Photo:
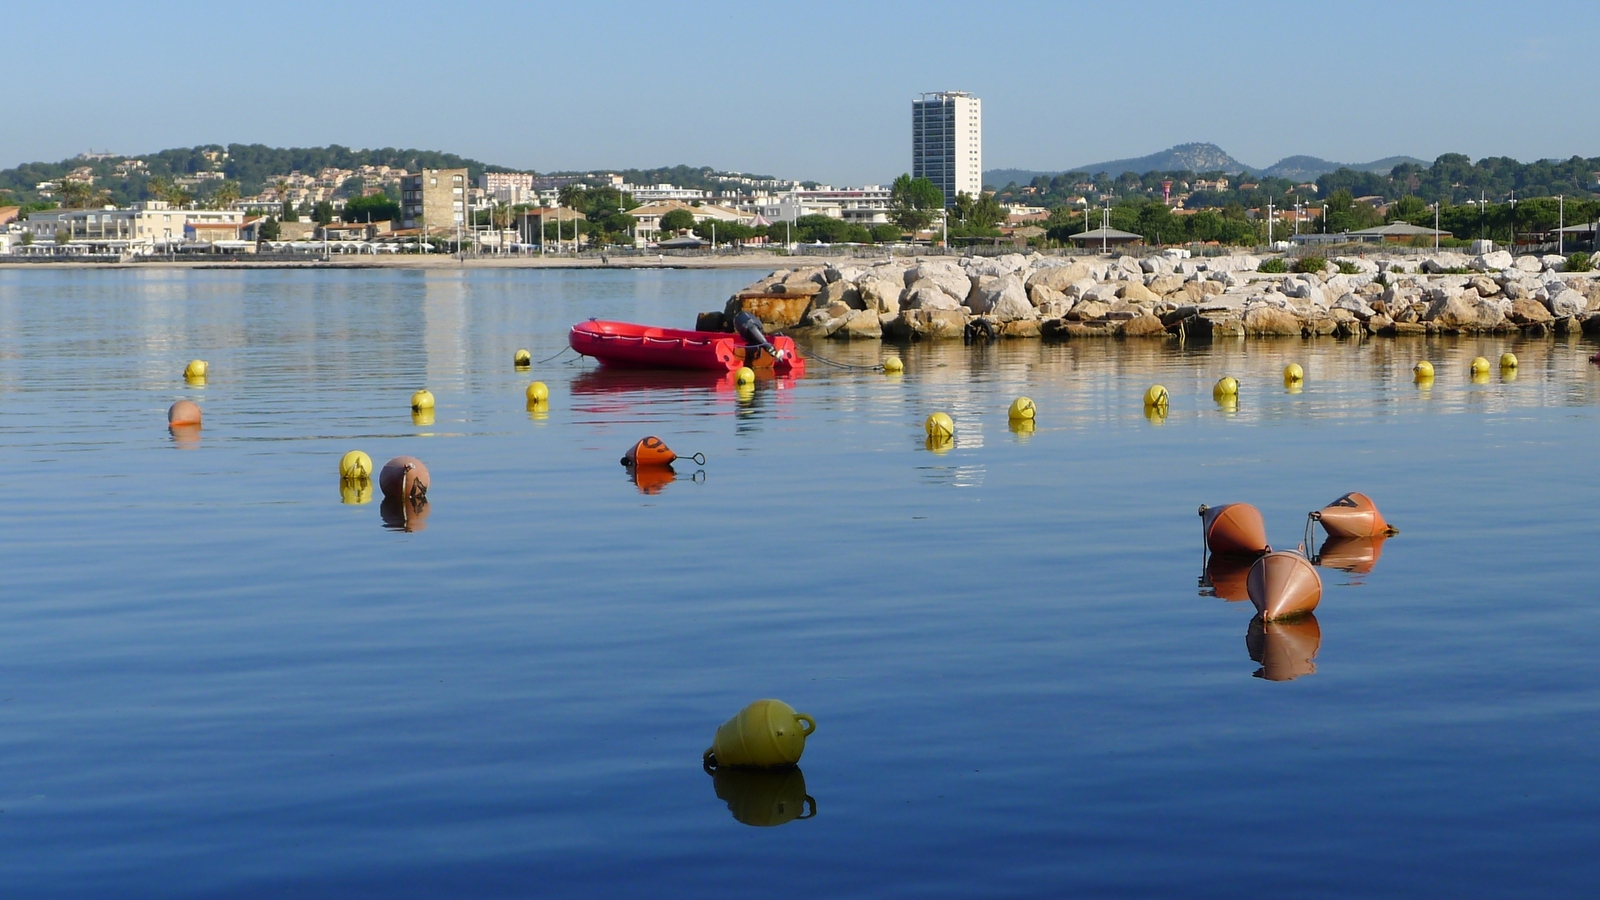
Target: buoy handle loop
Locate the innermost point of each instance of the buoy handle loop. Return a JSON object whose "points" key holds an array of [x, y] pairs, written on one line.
{"points": [[1204, 509], [802, 717], [699, 459], [813, 804]]}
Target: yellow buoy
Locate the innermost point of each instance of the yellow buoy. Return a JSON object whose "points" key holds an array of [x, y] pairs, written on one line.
{"points": [[421, 400], [1156, 414], [538, 393], [1226, 386], [893, 366], [1480, 366], [1293, 374], [355, 491], [1422, 371], [1021, 408], [744, 393], [744, 375], [355, 466], [1156, 397], [522, 359], [196, 370], [940, 426], [1508, 360], [766, 734]]}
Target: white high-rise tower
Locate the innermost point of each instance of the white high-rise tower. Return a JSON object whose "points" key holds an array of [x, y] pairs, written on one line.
{"points": [[947, 142]]}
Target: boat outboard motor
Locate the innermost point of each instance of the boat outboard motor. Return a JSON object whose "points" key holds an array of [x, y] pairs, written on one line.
{"points": [[748, 327]]}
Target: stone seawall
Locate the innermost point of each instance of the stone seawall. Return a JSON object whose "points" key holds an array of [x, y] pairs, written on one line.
{"points": [[1170, 296]]}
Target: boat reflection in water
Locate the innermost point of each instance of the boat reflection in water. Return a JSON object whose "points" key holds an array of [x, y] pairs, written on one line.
{"points": [[1286, 649], [1226, 575], [764, 797], [402, 514], [1356, 555]]}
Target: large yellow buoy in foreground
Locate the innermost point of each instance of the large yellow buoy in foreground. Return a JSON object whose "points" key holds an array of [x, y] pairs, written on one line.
{"points": [[744, 375], [522, 359], [1480, 366], [1508, 360], [538, 392], [1422, 371], [355, 466], [196, 370], [421, 400], [1226, 386], [1021, 408], [764, 735], [1156, 397], [1293, 374], [940, 427], [893, 366]]}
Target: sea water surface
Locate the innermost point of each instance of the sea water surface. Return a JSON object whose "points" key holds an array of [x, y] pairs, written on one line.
{"points": [[217, 679]]}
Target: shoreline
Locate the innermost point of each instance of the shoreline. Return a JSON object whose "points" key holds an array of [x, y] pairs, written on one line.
{"points": [[414, 261]]}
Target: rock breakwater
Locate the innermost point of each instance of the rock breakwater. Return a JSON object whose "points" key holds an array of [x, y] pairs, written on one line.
{"points": [[1170, 296]]}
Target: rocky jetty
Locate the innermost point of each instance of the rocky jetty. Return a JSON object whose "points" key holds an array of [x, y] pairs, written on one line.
{"points": [[1170, 296]]}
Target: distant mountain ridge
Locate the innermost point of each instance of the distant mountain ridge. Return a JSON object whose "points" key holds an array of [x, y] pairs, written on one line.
{"points": [[1204, 157]]}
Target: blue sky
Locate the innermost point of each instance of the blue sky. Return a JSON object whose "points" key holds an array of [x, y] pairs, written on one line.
{"points": [[810, 90]]}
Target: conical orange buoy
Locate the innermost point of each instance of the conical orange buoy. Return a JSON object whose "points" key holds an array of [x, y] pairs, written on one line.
{"points": [[184, 412], [1354, 555], [1353, 515], [404, 477], [1226, 574], [1284, 584], [652, 451], [1285, 650], [1234, 528]]}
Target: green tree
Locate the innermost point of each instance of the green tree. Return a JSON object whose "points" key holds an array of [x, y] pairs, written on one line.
{"points": [[677, 220], [63, 236], [322, 213], [884, 234], [725, 232], [372, 208], [289, 213], [224, 194], [75, 194], [270, 229], [913, 202]]}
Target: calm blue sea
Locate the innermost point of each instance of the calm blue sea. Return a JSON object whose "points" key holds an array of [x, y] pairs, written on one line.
{"points": [[219, 680]]}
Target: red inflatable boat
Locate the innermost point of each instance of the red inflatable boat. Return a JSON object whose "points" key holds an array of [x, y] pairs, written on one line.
{"points": [[644, 347]]}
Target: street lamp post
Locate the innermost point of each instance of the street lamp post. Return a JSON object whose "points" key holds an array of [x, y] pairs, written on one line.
{"points": [[1324, 218], [1561, 222]]}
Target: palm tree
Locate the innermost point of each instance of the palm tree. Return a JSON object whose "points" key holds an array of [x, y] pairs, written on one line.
{"points": [[75, 194], [225, 194]]}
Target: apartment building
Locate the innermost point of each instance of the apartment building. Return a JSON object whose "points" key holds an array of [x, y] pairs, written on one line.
{"points": [[434, 200], [947, 142], [144, 224]]}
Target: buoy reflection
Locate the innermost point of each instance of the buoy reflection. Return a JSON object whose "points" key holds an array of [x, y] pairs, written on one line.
{"points": [[355, 491], [403, 514], [651, 479], [1286, 650], [1356, 555], [938, 445], [1227, 575], [764, 798], [1157, 415], [1023, 429], [185, 437], [422, 416]]}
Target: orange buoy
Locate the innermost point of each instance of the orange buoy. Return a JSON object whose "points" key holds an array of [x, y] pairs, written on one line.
{"points": [[652, 451], [184, 412], [1354, 555], [1285, 650], [1234, 528], [404, 477], [1284, 584], [1353, 515], [1226, 575]]}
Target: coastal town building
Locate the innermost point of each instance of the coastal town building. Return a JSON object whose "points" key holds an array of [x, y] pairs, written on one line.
{"points": [[434, 200], [947, 142], [860, 206], [648, 217], [145, 224]]}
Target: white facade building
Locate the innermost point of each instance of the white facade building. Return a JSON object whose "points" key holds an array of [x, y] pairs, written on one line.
{"points": [[145, 225], [947, 142], [860, 206]]}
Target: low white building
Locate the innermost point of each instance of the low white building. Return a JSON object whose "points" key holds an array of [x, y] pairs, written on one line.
{"points": [[649, 216], [860, 206], [144, 225]]}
